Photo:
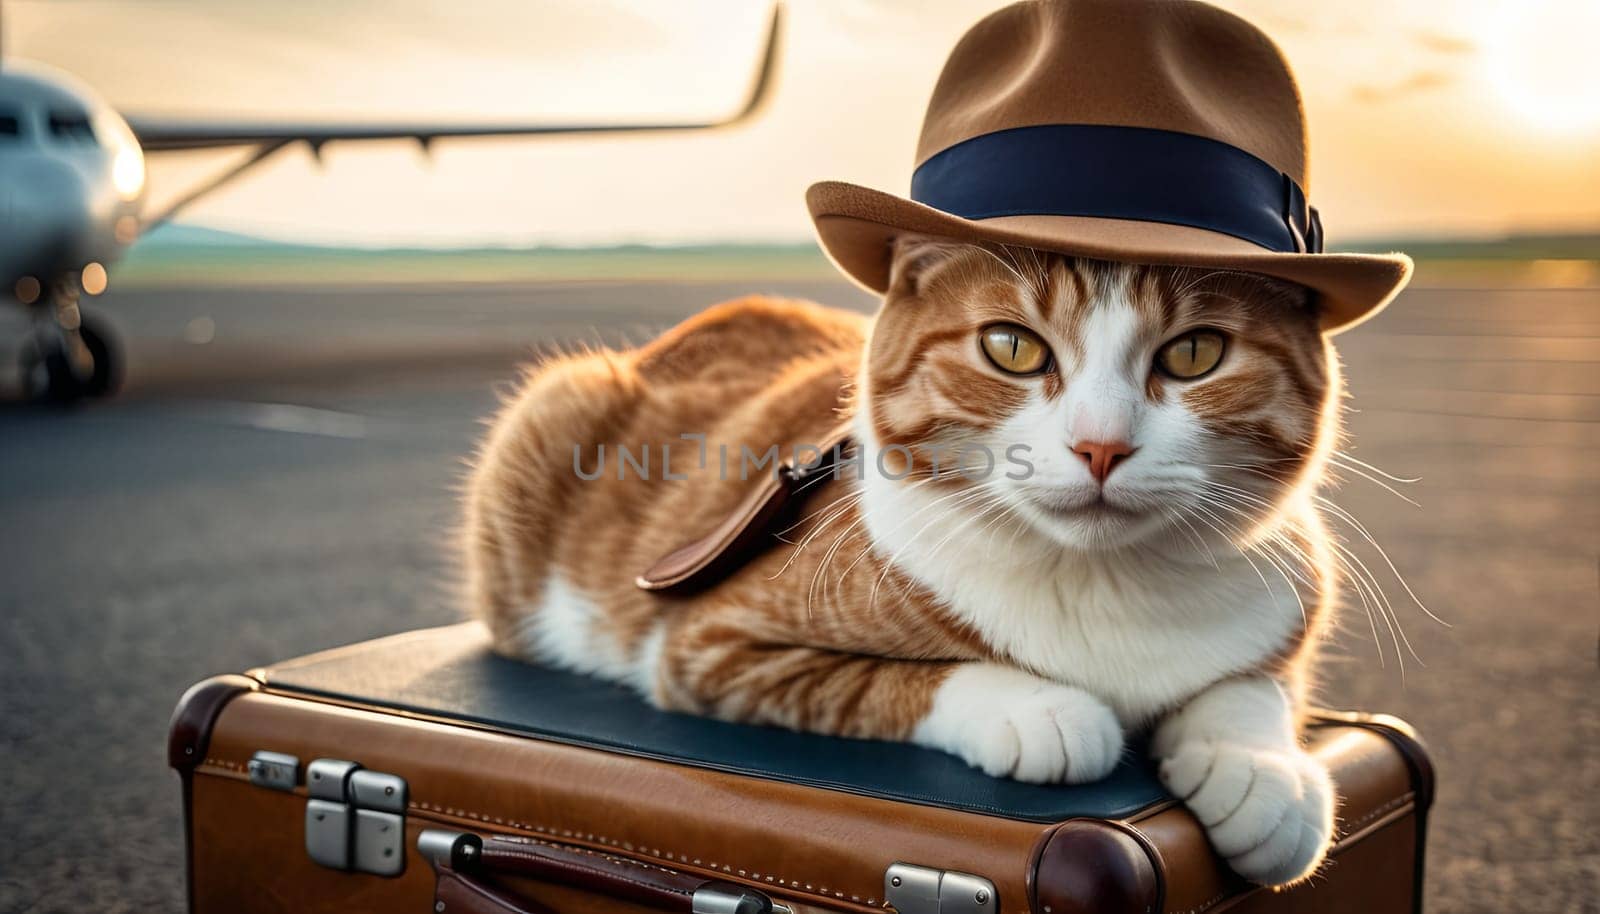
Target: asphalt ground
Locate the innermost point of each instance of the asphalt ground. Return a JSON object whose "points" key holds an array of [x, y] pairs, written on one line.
{"points": [[278, 478]]}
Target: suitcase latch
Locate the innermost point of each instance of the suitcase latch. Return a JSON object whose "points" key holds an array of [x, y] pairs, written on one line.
{"points": [[915, 889], [274, 770], [355, 818]]}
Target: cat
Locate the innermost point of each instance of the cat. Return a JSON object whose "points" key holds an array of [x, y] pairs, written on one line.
{"points": [[1144, 555]]}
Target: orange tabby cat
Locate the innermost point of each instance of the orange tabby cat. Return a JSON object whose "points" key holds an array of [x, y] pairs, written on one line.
{"points": [[1134, 544]]}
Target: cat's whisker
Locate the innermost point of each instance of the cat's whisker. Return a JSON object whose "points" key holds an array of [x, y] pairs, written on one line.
{"points": [[827, 557], [1344, 515], [1242, 553], [832, 509], [1192, 284], [1298, 559], [1238, 497], [1222, 486], [813, 481], [1021, 280], [989, 541], [833, 549], [1253, 465], [967, 495], [972, 493], [1193, 534], [1354, 562], [1202, 507], [1234, 509], [960, 525], [1277, 563], [812, 535], [1366, 583], [936, 502], [1337, 463], [993, 503], [1372, 600], [853, 500], [1237, 501], [1255, 470], [816, 531], [1020, 521], [1040, 267], [1347, 456], [1366, 607]]}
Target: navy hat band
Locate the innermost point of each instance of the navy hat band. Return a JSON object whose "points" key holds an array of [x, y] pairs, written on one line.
{"points": [[1112, 172]]}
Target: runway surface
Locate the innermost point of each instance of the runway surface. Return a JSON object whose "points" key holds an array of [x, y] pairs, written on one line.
{"points": [[278, 479]]}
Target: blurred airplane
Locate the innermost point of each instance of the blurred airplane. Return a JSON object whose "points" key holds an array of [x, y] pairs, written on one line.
{"points": [[72, 190]]}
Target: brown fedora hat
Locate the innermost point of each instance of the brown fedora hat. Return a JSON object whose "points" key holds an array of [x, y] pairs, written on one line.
{"points": [[1149, 131]]}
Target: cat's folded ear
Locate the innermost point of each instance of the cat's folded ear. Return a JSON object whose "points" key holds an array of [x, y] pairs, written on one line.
{"points": [[915, 259]]}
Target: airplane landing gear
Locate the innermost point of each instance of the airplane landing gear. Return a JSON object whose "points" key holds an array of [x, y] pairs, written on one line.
{"points": [[67, 357]]}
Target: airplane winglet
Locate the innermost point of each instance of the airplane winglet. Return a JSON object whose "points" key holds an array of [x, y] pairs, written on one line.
{"points": [[761, 90]]}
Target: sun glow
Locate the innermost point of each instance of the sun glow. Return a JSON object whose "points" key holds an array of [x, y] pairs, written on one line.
{"points": [[1540, 58]]}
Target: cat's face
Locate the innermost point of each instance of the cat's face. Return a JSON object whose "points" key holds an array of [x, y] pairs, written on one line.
{"points": [[1119, 403]]}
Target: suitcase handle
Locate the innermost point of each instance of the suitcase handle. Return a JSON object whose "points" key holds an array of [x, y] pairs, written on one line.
{"points": [[468, 869]]}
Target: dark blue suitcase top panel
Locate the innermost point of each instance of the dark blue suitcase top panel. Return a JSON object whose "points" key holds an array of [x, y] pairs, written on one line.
{"points": [[449, 674]]}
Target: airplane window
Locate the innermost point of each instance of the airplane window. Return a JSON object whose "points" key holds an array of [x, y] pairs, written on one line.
{"points": [[72, 126], [10, 125]]}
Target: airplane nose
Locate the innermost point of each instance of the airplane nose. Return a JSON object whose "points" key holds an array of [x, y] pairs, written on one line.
{"points": [[48, 219], [1102, 456]]}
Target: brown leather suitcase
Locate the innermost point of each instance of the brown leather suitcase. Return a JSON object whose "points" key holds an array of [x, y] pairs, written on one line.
{"points": [[421, 773]]}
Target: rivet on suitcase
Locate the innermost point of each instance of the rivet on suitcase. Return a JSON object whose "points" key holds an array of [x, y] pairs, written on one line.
{"points": [[422, 773]]}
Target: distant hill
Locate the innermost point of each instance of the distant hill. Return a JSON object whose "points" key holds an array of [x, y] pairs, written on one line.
{"points": [[184, 253], [1574, 246], [186, 235], [1580, 245], [179, 236]]}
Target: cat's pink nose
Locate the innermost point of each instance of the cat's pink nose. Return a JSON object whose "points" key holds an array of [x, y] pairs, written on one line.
{"points": [[1102, 456]]}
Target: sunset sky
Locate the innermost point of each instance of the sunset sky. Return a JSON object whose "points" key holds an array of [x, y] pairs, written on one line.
{"points": [[1442, 117]]}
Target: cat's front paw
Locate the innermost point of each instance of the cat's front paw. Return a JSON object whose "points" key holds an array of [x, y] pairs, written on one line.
{"points": [[1014, 724], [1268, 812]]}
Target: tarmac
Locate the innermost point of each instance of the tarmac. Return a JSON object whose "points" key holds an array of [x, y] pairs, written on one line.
{"points": [[279, 477]]}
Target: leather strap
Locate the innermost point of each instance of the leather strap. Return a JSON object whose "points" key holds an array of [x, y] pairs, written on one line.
{"points": [[458, 894], [743, 532], [481, 888], [592, 871]]}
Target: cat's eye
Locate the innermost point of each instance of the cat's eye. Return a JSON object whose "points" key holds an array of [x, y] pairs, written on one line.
{"points": [[1193, 355], [1014, 349]]}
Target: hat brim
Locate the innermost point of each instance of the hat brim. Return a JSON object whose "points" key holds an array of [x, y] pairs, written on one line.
{"points": [[857, 225]]}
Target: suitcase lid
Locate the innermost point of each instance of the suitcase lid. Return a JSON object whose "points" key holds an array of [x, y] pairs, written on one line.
{"points": [[449, 674]]}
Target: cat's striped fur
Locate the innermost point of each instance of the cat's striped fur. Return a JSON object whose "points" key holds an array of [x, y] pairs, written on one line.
{"points": [[1022, 624]]}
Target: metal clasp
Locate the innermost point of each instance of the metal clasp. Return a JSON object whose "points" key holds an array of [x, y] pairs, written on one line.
{"points": [[355, 819], [727, 898], [277, 770], [913, 889], [455, 849]]}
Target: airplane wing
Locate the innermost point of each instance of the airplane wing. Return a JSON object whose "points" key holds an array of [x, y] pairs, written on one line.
{"points": [[161, 134]]}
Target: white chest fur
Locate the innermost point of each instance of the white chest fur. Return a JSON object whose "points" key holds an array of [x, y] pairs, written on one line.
{"points": [[1139, 628]]}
